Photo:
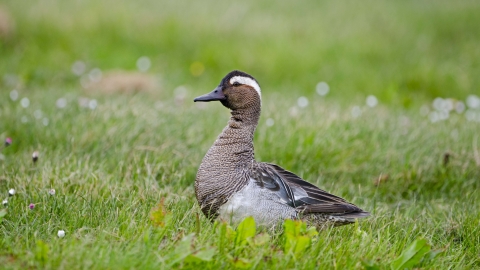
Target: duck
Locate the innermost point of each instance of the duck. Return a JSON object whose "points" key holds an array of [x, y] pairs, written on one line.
{"points": [[231, 185]]}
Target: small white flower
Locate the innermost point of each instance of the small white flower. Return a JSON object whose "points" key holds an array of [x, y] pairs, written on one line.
{"points": [[356, 111], [11, 192], [270, 122], [61, 233], [322, 88], [434, 116], [5, 202], [25, 102], [473, 101], [51, 192], [143, 63], [443, 115], [438, 104], [460, 107], [448, 105], [372, 101], [302, 102], [37, 114], [92, 104], [61, 103], [95, 75], [14, 95], [78, 68], [35, 156]]}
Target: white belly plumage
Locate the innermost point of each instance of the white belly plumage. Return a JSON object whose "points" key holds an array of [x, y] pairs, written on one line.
{"points": [[265, 206]]}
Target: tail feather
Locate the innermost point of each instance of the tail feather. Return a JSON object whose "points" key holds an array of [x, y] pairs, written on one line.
{"points": [[354, 215]]}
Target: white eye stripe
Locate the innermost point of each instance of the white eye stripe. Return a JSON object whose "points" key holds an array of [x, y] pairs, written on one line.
{"points": [[247, 81]]}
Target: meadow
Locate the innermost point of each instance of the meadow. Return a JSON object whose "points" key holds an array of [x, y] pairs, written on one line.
{"points": [[397, 132]]}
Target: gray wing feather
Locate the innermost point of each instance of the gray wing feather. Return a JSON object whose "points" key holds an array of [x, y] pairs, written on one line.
{"points": [[300, 194], [267, 178]]}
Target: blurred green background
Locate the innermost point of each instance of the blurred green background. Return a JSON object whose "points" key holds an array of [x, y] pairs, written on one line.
{"points": [[399, 51], [103, 90]]}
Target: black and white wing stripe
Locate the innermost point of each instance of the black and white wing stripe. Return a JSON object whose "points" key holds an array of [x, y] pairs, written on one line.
{"points": [[300, 194]]}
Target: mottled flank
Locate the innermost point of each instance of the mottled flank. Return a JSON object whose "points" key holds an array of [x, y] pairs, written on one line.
{"points": [[231, 185]]}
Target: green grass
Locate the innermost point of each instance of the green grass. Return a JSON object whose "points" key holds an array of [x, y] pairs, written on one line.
{"points": [[112, 165]]}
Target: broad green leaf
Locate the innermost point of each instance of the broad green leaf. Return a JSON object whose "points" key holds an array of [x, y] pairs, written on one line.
{"points": [[3, 213], [201, 255], [412, 255], [259, 240], [312, 231], [159, 214], [225, 234], [41, 251], [297, 238], [182, 250], [230, 233], [246, 229], [184, 245], [302, 243], [289, 227], [289, 243], [221, 230], [369, 265], [239, 262], [435, 253]]}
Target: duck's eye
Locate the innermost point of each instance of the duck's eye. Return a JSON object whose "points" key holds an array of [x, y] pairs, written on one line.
{"points": [[236, 84]]}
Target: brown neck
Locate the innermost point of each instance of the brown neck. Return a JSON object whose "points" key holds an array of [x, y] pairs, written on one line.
{"points": [[236, 140], [224, 168]]}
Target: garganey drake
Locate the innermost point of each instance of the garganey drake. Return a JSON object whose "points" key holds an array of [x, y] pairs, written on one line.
{"points": [[231, 185]]}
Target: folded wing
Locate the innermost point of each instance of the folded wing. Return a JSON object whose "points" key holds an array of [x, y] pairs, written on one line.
{"points": [[302, 195]]}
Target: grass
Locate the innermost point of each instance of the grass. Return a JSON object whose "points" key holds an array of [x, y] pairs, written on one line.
{"points": [[112, 165]]}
